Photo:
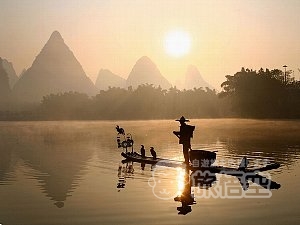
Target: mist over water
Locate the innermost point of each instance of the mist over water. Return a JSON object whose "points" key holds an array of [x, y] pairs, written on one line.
{"points": [[66, 172]]}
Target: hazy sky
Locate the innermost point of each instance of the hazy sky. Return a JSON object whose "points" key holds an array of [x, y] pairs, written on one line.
{"points": [[113, 34]]}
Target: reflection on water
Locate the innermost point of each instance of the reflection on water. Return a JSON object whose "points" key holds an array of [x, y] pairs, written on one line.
{"points": [[63, 172], [56, 168], [7, 164], [181, 180], [275, 141], [273, 150], [8, 160], [53, 159], [124, 172], [184, 192], [190, 186]]}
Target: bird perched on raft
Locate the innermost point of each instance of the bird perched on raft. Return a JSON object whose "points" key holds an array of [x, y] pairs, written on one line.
{"points": [[120, 130], [153, 152]]}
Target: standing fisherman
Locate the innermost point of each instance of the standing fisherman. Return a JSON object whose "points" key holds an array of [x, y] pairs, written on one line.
{"points": [[185, 134]]}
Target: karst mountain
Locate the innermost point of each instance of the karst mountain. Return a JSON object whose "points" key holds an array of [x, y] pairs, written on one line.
{"points": [[193, 79], [5, 91], [54, 70], [108, 79], [146, 72], [11, 73]]}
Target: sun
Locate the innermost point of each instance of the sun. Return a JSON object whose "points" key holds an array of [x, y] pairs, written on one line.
{"points": [[177, 43]]}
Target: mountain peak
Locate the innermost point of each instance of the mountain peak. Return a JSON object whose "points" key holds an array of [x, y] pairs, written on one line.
{"points": [[12, 76], [108, 79], [194, 79], [145, 71], [56, 36], [4, 83], [144, 59], [55, 44], [54, 70], [193, 69]]}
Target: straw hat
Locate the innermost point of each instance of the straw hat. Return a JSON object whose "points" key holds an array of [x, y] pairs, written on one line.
{"points": [[182, 119]]}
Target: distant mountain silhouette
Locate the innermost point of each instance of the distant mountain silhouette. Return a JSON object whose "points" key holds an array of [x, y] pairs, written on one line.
{"points": [[193, 79], [54, 70], [179, 84], [12, 76], [5, 91], [145, 71], [108, 79]]}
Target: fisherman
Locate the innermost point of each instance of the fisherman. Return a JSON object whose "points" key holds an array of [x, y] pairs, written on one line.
{"points": [[185, 134], [153, 153], [143, 152]]}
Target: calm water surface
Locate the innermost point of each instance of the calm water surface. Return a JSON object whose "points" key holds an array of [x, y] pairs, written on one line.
{"points": [[67, 173]]}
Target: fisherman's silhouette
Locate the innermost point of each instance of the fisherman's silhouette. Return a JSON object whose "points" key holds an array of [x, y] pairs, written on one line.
{"points": [[143, 151], [195, 176], [185, 134], [153, 153]]}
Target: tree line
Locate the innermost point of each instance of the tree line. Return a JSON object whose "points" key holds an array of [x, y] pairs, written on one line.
{"points": [[145, 102], [246, 94], [262, 94]]}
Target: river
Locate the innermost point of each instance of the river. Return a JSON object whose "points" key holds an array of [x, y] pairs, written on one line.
{"points": [[67, 172]]}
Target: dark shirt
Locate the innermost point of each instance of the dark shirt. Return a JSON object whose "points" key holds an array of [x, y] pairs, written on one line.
{"points": [[185, 134]]}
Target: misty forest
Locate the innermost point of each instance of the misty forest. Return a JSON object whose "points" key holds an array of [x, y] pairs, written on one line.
{"points": [[247, 94]]}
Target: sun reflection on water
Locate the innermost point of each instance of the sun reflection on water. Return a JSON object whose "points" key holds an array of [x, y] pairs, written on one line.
{"points": [[180, 180]]}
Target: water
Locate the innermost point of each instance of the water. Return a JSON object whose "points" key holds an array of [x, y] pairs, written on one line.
{"points": [[67, 173]]}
